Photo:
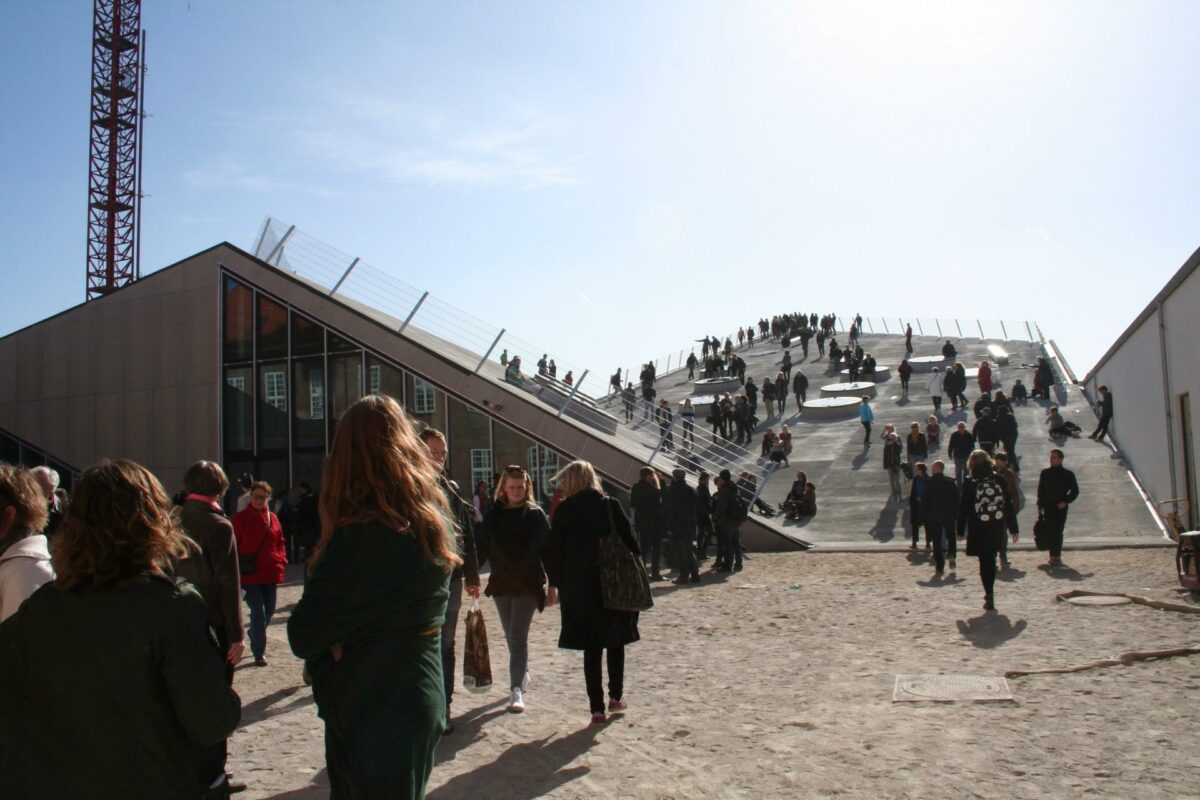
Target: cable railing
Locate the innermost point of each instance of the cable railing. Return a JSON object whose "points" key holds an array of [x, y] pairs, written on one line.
{"points": [[485, 346]]}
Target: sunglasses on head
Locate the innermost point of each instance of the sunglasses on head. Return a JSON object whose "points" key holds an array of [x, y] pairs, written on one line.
{"points": [[513, 469]]}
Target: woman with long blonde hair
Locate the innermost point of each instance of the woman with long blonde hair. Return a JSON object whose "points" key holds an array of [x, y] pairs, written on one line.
{"points": [[514, 537], [585, 516], [369, 622]]}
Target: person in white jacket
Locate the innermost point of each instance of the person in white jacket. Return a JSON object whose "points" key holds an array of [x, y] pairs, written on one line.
{"points": [[24, 554], [935, 390]]}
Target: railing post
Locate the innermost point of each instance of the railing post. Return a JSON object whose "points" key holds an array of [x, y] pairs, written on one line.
{"points": [[1004, 330], [980, 324], [869, 325], [885, 327], [412, 313], [938, 322], [669, 362], [571, 396], [495, 342], [342, 279], [278, 248], [959, 327], [662, 438], [901, 323], [1029, 331], [920, 328], [766, 476]]}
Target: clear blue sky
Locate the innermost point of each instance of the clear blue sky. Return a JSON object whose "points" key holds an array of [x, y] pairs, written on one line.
{"points": [[613, 179]]}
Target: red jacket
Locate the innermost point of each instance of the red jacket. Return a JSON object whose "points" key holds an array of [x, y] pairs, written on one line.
{"points": [[985, 378], [256, 529]]}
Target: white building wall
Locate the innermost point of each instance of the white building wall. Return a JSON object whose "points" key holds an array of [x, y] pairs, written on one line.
{"points": [[1142, 426]]}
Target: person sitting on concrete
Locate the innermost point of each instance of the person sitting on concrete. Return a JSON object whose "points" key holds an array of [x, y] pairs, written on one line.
{"points": [[791, 504], [1059, 427], [1019, 393], [948, 351]]}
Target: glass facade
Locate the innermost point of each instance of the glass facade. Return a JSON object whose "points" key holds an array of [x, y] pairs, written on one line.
{"points": [[15, 451], [288, 378]]}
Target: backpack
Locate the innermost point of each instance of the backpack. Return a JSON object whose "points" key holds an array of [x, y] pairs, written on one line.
{"points": [[989, 499]]}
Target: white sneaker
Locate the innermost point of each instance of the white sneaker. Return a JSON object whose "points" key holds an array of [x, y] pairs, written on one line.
{"points": [[517, 703], [528, 679]]}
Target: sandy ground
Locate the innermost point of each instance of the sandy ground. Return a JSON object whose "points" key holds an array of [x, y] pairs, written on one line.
{"points": [[776, 682]]}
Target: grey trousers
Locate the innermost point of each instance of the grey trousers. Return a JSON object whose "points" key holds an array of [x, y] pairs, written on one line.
{"points": [[516, 614]]}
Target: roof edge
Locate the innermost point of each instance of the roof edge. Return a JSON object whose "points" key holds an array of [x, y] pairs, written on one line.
{"points": [[1181, 275]]}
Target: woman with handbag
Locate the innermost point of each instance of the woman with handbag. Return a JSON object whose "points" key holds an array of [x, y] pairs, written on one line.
{"points": [[587, 524], [515, 538], [262, 555]]}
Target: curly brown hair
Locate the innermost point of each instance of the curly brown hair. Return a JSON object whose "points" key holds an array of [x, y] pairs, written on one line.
{"points": [[20, 490], [118, 526], [378, 470]]}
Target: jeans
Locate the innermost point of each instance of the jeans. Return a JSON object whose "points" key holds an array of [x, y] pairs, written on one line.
{"points": [[595, 680], [987, 569], [1055, 521], [937, 403], [897, 485], [261, 599], [704, 535], [866, 436], [516, 614], [1102, 429], [960, 468], [449, 629]]}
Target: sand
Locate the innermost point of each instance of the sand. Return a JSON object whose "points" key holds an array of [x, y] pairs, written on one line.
{"points": [[776, 682]]}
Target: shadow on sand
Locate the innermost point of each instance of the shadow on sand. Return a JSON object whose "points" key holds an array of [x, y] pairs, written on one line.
{"points": [[990, 629], [540, 763]]}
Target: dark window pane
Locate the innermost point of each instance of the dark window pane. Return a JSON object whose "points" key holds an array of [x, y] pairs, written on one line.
{"points": [[31, 457], [239, 321], [306, 468], [345, 380], [308, 393], [308, 338], [272, 329], [273, 407], [239, 410], [383, 378], [469, 445], [10, 451], [275, 472], [339, 345]]}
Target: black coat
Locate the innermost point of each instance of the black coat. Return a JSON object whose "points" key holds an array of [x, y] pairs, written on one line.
{"points": [[647, 509], [679, 508], [1056, 485], [983, 534], [961, 444], [517, 542], [941, 499], [986, 430], [579, 523], [464, 528], [113, 701]]}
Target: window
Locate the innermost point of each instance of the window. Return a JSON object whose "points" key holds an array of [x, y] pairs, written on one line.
{"points": [[239, 321], [308, 338], [237, 381], [316, 394], [275, 389], [238, 398], [425, 401], [481, 466], [543, 473], [374, 379], [272, 329]]}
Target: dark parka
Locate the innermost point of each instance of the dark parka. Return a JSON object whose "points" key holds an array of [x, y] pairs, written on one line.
{"points": [[941, 499], [111, 704], [464, 528], [216, 573], [646, 500], [580, 522], [679, 509]]}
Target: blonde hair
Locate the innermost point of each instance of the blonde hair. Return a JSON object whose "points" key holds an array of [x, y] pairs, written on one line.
{"points": [[578, 476], [514, 472]]}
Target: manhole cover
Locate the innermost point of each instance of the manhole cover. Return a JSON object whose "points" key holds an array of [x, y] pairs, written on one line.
{"points": [[1098, 600], [949, 688]]}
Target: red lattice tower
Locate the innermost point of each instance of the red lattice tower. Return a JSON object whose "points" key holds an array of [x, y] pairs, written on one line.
{"points": [[114, 179]]}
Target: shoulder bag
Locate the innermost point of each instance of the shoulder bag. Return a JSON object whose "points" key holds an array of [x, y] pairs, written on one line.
{"points": [[248, 564], [624, 584]]}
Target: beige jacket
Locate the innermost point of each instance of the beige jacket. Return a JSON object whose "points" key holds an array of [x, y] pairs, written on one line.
{"points": [[23, 568]]}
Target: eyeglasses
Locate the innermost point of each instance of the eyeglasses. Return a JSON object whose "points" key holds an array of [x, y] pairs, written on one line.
{"points": [[514, 469]]}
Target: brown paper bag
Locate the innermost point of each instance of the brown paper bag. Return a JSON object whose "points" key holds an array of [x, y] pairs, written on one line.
{"points": [[477, 663]]}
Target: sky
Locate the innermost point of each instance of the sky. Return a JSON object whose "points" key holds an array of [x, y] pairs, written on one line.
{"points": [[611, 180]]}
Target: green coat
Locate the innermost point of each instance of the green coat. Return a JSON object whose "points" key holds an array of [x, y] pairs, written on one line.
{"points": [[105, 692], [383, 703]]}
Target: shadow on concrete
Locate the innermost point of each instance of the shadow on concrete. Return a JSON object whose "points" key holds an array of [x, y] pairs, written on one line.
{"points": [[262, 708], [1064, 573], [541, 765], [990, 629], [317, 790], [857, 462], [884, 529]]}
